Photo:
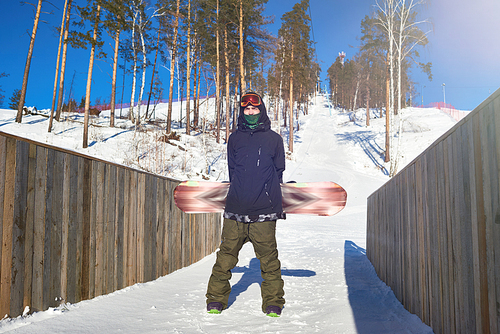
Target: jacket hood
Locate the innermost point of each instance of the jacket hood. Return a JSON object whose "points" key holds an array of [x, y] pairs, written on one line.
{"points": [[264, 123]]}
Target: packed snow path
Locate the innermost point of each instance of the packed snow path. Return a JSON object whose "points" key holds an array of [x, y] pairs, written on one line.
{"points": [[330, 286]]}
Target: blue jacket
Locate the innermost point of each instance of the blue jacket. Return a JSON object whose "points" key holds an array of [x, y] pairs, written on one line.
{"points": [[256, 161]]}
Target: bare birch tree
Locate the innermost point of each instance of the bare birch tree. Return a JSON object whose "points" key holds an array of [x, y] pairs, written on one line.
{"points": [[172, 67], [386, 18], [409, 36], [135, 14]]}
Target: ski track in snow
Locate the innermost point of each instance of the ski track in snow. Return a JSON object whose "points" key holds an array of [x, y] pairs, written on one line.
{"points": [[330, 286]]}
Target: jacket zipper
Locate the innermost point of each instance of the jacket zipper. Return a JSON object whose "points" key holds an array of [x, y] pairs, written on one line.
{"points": [[268, 197], [258, 159]]}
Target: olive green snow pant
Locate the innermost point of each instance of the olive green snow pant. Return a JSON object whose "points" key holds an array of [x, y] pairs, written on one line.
{"points": [[262, 235]]}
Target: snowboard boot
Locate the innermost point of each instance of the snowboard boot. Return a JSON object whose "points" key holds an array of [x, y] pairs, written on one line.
{"points": [[273, 311], [214, 308]]}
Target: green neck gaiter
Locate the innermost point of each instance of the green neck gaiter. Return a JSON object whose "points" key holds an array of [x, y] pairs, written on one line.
{"points": [[252, 120]]}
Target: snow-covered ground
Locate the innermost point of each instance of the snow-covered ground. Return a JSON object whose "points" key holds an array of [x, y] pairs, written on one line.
{"points": [[330, 286]]}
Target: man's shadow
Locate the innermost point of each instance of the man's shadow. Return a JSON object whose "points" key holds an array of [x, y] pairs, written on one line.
{"points": [[251, 274]]}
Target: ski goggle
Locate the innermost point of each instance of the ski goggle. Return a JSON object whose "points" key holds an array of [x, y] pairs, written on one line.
{"points": [[252, 99]]}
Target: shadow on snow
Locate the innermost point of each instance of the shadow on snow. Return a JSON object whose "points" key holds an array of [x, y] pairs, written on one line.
{"points": [[251, 275], [366, 140], [374, 306]]}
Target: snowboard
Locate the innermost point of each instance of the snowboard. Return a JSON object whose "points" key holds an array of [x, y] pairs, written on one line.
{"points": [[313, 198]]}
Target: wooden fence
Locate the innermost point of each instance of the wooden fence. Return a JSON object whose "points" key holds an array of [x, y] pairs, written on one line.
{"points": [[433, 231], [75, 227]]}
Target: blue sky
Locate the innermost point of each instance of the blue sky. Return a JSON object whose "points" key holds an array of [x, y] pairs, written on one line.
{"points": [[464, 48]]}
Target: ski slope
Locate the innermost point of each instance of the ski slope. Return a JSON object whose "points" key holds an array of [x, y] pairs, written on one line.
{"points": [[330, 286]]}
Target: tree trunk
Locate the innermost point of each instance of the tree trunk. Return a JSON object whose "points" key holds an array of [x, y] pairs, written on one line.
{"points": [[134, 72], [242, 67], [198, 88], [290, 137], [143, 79], [153, 75], [356, 93], [195, 93], [236, 106], [89, 82], [196, 79], [368, 99], [188, 74], [285, 113], [387, 114], [217, 80], [28, 63], [63, 65], [172, 68], [54, 92], [113, 81], [279, 104], [228, 92]]}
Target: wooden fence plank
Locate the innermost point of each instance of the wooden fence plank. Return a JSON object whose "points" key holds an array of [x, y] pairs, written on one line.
{"points": [[3, 157], [141, 188], [435, 287], [39, 229], [99, 230], [66, 188], [149, 228], [19, 227], [7, 225], [450, 229], [479, 230], [160, 233], [119, 228], [93, 227], [110, 202], [132, 244], [75, 231], [126, 228], [495, 205], [443, 269], [166, 234], [30, 214], [86, 229], [106, 267], [55, 226], [80, 172], [466, 232]]}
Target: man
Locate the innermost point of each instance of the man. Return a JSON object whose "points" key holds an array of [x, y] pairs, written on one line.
{"points": [[256, 161]]}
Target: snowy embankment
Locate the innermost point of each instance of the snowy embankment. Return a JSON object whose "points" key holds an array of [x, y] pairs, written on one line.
{"points": [[330, 286]]}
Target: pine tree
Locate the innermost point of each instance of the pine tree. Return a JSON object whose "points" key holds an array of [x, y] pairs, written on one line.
{"points": [[297, 51], [65, 18], [63, 62], [28, 63], [14, 99], [2, 97], [173, 55], [82, 39], [115, 23]]}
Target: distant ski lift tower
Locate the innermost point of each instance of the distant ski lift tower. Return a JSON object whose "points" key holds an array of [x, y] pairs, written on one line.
{"points": [[342, 56]]}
